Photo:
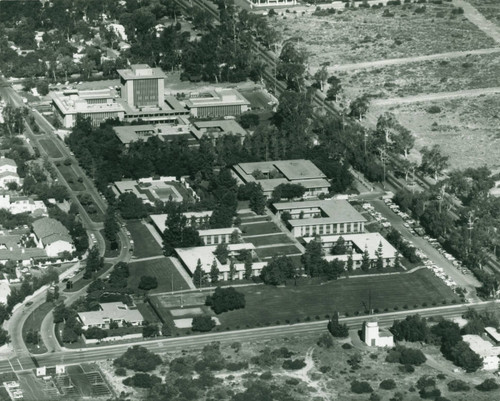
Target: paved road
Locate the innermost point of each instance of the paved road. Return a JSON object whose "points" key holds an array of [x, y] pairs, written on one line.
{"points": [[404, 60], [467, 281], [175, 344], [427, 97]]}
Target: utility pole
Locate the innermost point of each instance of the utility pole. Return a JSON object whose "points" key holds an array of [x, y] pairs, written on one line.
{"points": [[470, 226], [383, 158]]}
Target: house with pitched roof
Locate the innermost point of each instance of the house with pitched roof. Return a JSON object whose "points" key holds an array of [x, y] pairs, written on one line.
{"points": [[52, 236], [8, 172]]}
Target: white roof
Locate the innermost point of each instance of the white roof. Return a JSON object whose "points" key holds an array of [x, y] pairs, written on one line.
{"points": [[493, 333], [110, 311], [481, 347], [370, 241], [160, 219], [219, 231]]}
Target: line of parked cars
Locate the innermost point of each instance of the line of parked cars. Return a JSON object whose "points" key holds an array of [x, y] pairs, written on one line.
{"points": [[376, 215]]}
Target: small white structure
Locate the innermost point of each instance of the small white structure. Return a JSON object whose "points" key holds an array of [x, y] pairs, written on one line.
{"points": [[111, 311], [41, 371], [485, 350], [374, 337], [8, 172]]}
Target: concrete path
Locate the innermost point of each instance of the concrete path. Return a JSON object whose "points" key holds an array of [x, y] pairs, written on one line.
{"points": [[148, 258], [154, 233], [428, 97], [276, 220], [474, 16], [183, 273], [404, 60], [274, 245]]}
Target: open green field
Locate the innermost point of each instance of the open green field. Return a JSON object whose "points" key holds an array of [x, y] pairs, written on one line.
{"points": [[51, 148], [144, 243], [164, 271], [269, 239], [467, 72], [34, 322], [277, 251], [253, 218], [71, 178], [358, 35], [267, 304], [466, 129], [259, 228]]}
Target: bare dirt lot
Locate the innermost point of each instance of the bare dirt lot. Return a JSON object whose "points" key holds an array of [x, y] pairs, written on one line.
{"points": [[468, 72], [365, 34], [467, 130]]}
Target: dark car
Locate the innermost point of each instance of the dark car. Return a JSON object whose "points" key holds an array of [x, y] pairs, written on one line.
{"points": [[29, 303]]}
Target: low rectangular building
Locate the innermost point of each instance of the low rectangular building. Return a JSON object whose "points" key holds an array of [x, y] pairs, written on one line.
{"points": [[189, 258], [485, 350], [193, 218], [217, 128], [270, 174], [357, 244], [321, 217], [111, 312], [217, 236], [217, 103], [98, 105]]}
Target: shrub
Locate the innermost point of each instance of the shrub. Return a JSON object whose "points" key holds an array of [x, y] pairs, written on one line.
{"points": [[325, 369], [203, 323], [121, 372], [387, 384], [139, 359], [407, 369], [294, 364], [374, 397], [292, 381], [358, 387], [142, 380], [433, 109], [266, 375], [225, 299], [325, 341], [458, 385], [487, 385], [346, 346]]}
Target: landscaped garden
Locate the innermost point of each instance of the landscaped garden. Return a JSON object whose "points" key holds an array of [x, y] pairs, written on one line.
{"points": [[358, 35], [259, 228]]}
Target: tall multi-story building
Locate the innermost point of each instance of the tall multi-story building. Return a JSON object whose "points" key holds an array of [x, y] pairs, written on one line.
{"points": [[142, 86]]}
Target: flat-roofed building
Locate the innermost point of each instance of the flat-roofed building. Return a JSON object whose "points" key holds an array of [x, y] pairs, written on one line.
{"points": [[218, 128], [98, 105], [217, 103], [142, 85], [271, 3], [485, 350], [493, 334], [179, 129], [215, 236], [206, 255], [111, 312], [358, 244], [192, 218], [270, 174], [321, 217]]}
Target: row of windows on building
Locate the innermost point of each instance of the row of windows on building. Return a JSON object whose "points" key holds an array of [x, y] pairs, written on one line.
{"points": [[219, 111], [321, 229]]}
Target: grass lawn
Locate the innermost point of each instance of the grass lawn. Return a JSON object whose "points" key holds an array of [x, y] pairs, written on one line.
{"points": [[144, 243], [269, 239], [267, 304], [259, 228], [147, 312], [34, 322], [71, 178], [51, 148], [164, 271], [277, 250], [254, 219]]}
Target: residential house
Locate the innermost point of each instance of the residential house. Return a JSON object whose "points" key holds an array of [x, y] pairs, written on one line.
{"points": [[52, 236]]}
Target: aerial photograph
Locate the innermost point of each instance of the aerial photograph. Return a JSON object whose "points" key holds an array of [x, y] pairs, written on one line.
{"points": [[250, 200]]}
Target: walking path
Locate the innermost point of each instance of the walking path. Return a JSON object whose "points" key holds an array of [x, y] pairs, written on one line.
{"points": [[427, 97], [276, 220], [404, 60], [148, 258], [474, 16], [183, 273]]}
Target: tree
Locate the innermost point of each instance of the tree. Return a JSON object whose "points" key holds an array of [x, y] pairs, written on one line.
{"points": [[222, 253], [291, 66], [139, 359], [214, 272], [321, 77], [257, 200], [178, 234], [96, 333], [232, 270], [142, 380], [248, 266], [278, 270], [339, 248], [433, 161], [147, 283], [203, 323], [359, 107], [111, 226], [312, 259], [130, 206], [379, 263], [413, 328], [94, 262], [4, 337], [334, 89], [335, 328], [150, 330], [365, 261], [287, 191], [350, 263], [397, 261], [225, 299], [199, 275], [463, 356]]}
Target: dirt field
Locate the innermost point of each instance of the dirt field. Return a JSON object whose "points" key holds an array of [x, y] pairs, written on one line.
{"points": [[468, 72], [466, 129], [364, 34]]}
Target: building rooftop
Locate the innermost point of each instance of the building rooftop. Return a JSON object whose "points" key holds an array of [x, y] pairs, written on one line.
{"points": [[292, 170], [117, 311], [480, 346], [5, 161], [215, 98], [219, 231], [96, 101], [217, 128], [140, 71], [160, 219], [493, 333], [205, 254], [50, 230], [132, 133], [336, 211], [362, 241], [11, 250], [169, 107]]}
